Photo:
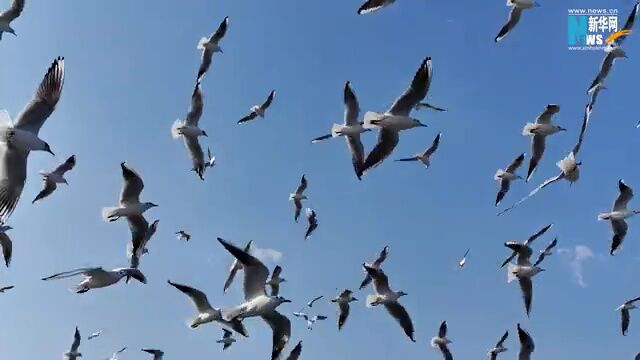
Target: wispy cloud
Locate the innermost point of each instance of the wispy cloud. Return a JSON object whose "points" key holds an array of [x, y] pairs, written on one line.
{"points": [[576, 258], [266, 255]]}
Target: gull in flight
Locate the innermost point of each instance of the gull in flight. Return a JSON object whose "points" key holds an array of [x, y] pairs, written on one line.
{"points": [[183, 236], [227, 339], [614, 52], [116, 355], [6, 244], [157, 354], [235, 266], [624, 313], [258, 110], [397, 118], [374, 5], [51, 179], [94, 335], [310, 320], [343, 300], [130, 204], [188, 129], [141, 234], [22, 137], [257, 302], [275, 280], [298, 196], [514, 16], [523, 271], [548, 251], [5, 288], [96, 277], [295, 353], [506, 176], [499, 348], [441, 342], [539, 132], [350, 130], [463, 262], [526, 344], [313, 223], [210, 45], [389, 298], [7, 16], [526, 243], [376, 265], [73, 353], [425, 157], [211, 161], [206, 312], [618, 214]]}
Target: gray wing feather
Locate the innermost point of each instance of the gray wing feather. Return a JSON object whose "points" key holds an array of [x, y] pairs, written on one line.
{"points": [[17, 6], [399, 313], [416, 91], [281, 327], [351, 106]]}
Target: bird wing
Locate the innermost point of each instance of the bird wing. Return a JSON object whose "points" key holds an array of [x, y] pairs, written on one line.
{"points": [[537, 150], [515, 164], [503, 338], [221, 31], [620, 228], [198, 298], [387, 141], [626, 318], [255, 273], [514, 17], [365, 282], [13, 173], [542, 186], [399, 313], [310, 303], [629, 24], [88, 271], [625, 195], [505, 185], [549, 111], [380, 280], [48, 189], [416, 91], [381, 257], [13, 12], [195, 152], [76, 341], [526, 285], [276, 271], [252, 115], [434, 146], [357, 152], [303, 185], [281, 327], [538, 234], [139, 227], [343, 314], [351, 106], [295, 353], [205, 62], [7, 248], [131, 187], [442, 331], [446, 353], [526, 344], [197, 104], [265, 105], [66, 166], [371, 6], [583, 129]]}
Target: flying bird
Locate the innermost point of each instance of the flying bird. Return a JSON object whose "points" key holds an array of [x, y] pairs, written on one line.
{"points": [[463, 262], [312, 223], [141, 234], [73, 353], [389, 298], [295, 353], [506, 176], [343, 300], [5, 288], [210, 45], [211, 161], [425, 157], [96, 277], [514, 16], [529, 240], [523, 271], [441, 342], [275, 280], [624, 313], [6, 244], [499, 348], [526, 344], [7, 16], [548, 251], [258, 110], [227, 339], [374, 5], [618, 214], [614, 52], [539, 132], [21, 137], [94, 335], [311, 320], [157, 354], [298, 196], [376, 265], [130, 204], [183, 236], [189, 130], [51, 179], [235, 266]]}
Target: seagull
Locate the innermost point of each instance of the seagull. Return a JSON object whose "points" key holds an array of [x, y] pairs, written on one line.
{"points": [[514, 16], [210, 45], [157, 354], [343, 300], [5, 288], [116, 355], [235, 266], [526, 344], [614, 52], [389, 298], [257, 302], [7, 16], [275, 281], [207, 313], [211, 162], [397, 117], [6, 244], [376, 265], [463, 262], [441, 342], [374, 5], [618, 214], [538, 132], [310, 303], [188, 129], [94, 335], [141, 234], [310, 320], [96, 277], [425, 157], [130, 204], [51, 179], [523, 271], [526, 243], [258, 110], [624, 312], [350, 130], [73, 353], [298, 196], [295, 353], [183, 236], [499, 348], [227, 339], [313, 223], [546, 252], [22, 137], [506, 176]]}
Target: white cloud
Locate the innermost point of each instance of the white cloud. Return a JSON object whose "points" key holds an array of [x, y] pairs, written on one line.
{"points": [[577, 258], [266, 255]]}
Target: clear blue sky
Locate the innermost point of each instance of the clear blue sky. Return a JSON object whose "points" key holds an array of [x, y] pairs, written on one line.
{"points": [[130, 70]]}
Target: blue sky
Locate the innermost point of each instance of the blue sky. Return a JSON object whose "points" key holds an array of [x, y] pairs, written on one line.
{"points": [[130, 68]]}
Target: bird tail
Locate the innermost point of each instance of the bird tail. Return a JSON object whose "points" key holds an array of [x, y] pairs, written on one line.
{"points": [[202, 42], [528, 129], [109, 212], [498, 174], [336, 130], [511, 272], [372, 300], [371, 118], [175, 128], [604, 216]]}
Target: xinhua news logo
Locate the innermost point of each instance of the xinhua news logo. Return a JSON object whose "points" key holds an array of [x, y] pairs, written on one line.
{"points": [[589, 29]]}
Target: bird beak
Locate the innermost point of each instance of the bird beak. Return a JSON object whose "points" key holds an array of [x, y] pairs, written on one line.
{"points": [[286, 301], [423, 125], [66, 182], [50, 152], [354, 299]]}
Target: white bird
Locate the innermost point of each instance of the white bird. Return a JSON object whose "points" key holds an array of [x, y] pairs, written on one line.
{"points": [[624, 313], [526, 344], [463, 262], [311, 320], [514, 16], [539, 132], [22, 137], [374, 5], [441, 342], [7, 16], [397, 118], [295, 353], [141, 234], [258, 110], [382, 256], [130, 204], [189, 130], [614, 52], [235, 266], [116, 355], [275, 280], [389, 298], [499, 348], [157, 354], [506, 176], [5, 288], [548, 251], [6, 244], [343, 300], [257, 302], [298, 196], [51, 179], [211, 161], [425, 157], [96, 277], [94, 335], [227, 339], [183, 236], [523, 271], [210, 45], [73, 353], [618, 214], [206, 312], [312, 221]]}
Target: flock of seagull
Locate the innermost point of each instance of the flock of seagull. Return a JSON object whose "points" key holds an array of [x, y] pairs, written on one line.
{"points": [[261, 286]]}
